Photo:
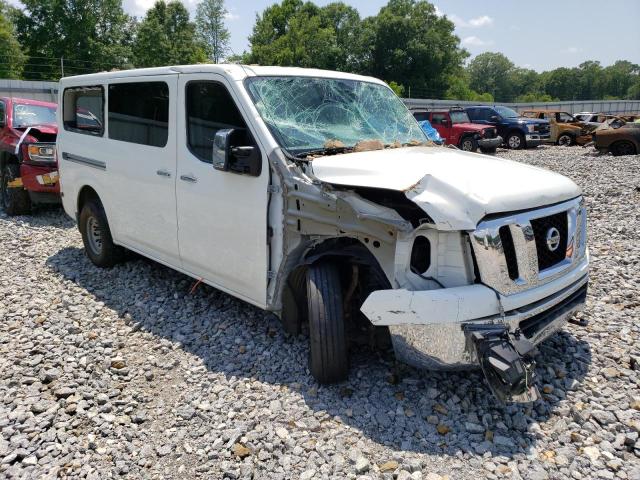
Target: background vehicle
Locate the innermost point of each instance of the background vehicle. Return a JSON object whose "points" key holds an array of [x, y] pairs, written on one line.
{"points": [[326, 207], [565, 128], [618, 137], [455, 127], [517, 132], [28, 168]]}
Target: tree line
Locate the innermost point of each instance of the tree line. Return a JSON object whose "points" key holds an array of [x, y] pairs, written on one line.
{"points": [[408, 44]]}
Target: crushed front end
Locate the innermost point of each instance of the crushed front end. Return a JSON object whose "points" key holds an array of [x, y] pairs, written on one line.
{"points": [[39, 172], [530, 276]]}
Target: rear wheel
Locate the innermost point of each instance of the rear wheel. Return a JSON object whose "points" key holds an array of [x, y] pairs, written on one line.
{"points": [[515, 141], [468, 144], [328, 351], [96, 236], [566, 140], [15, 200], [623, 148]]}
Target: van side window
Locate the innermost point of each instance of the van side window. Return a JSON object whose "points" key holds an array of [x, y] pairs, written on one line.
{"points": [[209, 109], [83, 110], [2, 119], [139, 113]]}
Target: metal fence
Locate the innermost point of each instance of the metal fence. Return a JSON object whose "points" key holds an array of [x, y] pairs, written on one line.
{"points": [[45, 91], [599, 106], [49, 91]]}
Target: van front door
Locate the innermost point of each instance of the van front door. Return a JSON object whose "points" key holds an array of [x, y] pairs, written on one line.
{"points": [[222, 216]]}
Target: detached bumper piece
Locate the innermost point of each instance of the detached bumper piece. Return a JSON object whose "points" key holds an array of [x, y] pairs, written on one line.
{"points": [[505, 361]]}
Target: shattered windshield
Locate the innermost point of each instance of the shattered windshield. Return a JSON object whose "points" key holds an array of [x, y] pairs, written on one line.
{"points": [[30, 115], [306, 114]]}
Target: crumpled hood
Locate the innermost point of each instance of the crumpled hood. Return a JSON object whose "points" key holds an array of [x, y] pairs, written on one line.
{"points": [[44, 128], [457, 189]]}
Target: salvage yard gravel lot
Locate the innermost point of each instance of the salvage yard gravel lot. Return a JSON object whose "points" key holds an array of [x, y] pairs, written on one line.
{"points": [[130, 372]]}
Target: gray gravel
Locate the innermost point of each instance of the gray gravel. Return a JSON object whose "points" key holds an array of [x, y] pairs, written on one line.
{"points": [[124, 372]]}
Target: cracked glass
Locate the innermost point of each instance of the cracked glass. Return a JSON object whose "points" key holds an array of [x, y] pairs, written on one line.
{"points": [[306, 114]]}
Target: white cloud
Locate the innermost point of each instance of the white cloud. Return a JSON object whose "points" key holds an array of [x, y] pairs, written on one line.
{"points": [[478, 22], [231, 16], [483, 21], [474, 41], [439, 13], [571, 50]]}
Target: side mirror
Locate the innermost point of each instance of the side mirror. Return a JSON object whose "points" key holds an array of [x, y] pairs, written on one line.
{"points": [[227, 157], [494, 118]]}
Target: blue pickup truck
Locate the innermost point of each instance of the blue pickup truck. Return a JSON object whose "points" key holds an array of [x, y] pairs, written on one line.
{"points": [[518, 132]]}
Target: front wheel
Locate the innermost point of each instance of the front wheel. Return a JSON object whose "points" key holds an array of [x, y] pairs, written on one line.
{"points": [[566, 140], [328, 350], [96, 236], [15, 200], [515, 141], [469, 144]]}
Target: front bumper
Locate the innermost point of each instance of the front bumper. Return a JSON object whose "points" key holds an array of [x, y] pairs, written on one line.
{"points": [[40, 178], [427, 327], [534, 139], [490, 143]]}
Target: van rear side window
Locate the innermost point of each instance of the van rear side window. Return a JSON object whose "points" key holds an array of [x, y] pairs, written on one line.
{"points": [[139, 113], [83, 110]]}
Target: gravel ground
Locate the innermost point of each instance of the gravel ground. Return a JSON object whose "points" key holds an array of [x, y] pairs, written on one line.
{"points": [[126, 372]]}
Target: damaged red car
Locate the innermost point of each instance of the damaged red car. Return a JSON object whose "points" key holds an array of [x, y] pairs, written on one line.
{"points": [[28, 164]]}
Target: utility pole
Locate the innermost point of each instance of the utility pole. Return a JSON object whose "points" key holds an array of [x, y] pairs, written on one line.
{"points": [[61, 67]]}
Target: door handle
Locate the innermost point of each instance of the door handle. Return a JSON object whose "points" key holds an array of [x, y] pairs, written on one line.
{"points": [[163, 173], [188, 178]]}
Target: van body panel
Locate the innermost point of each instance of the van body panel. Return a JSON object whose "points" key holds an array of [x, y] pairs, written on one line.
{"points": [[222, 216]]}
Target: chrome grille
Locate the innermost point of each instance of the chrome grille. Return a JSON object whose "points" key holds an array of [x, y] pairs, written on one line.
{"points": [[512, 253]]}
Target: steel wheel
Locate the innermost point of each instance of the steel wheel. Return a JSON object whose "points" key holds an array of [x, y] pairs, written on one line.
{"points": [[94, 235]]}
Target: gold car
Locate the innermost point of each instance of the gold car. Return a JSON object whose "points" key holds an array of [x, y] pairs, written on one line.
{"points": [[565, 128]]}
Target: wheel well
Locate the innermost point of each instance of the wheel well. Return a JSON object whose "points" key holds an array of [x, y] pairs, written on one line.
{"points": [[516, 131], [352, 257], [6, 157], [86, 193], [614, 145]]}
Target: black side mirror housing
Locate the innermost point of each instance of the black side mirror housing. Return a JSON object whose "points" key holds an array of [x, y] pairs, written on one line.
{"points": [[232, 154], [494, 118]]}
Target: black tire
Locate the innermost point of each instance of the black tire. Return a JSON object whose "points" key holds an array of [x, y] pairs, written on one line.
{"points": [[623, 148], [14, 200], [515, 141], [488, 151], [566, 140], [328, 349], [96, 236], [468, 144]]}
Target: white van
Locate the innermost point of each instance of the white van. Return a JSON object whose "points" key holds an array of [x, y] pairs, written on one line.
{"points": [[315, 195]]}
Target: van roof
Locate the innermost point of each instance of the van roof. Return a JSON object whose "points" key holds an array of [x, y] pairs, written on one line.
{"points": [[237, 72]]}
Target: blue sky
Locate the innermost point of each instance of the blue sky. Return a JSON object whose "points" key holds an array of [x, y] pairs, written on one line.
{"points": [[540, 34]]}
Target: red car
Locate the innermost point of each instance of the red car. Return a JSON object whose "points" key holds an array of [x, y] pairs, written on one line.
{"points": [[455, 128], [28, 165]]}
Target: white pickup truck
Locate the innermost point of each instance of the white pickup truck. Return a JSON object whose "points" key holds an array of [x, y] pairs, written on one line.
{"points": [[315, 195]]}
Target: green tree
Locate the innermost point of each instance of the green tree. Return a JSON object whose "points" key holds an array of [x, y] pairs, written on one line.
{"points": [[493, 73], [210, 27], [409, 43], [12, 59], [167, 37], [91, 35], [292, 33]]}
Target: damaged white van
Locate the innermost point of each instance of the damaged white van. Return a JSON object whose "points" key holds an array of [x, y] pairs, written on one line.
{"points": [[315, 195]]}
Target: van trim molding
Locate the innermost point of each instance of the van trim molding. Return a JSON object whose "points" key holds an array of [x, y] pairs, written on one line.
{"points": [[84, 161]]}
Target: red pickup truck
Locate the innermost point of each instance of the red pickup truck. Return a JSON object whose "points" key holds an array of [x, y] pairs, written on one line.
{"points": [[28, 164], [455, 127]]}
